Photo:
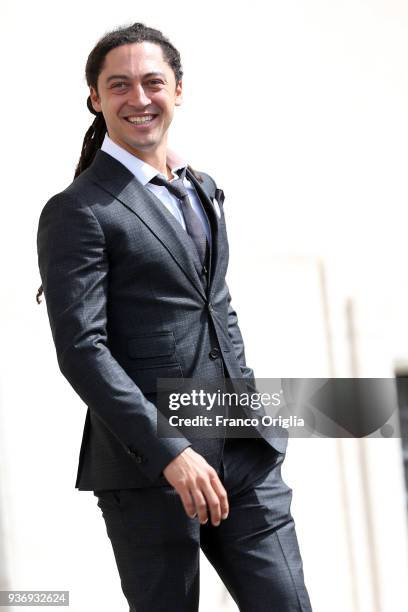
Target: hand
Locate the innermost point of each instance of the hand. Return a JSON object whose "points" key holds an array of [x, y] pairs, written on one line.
{"points": [[198, 485]]}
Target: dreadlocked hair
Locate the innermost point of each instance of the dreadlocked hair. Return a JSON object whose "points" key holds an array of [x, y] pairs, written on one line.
{"points": [[93, 140], [124, 35]]}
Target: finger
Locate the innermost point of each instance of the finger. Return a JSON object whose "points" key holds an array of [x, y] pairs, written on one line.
{"points": [[200, 505], [222, 496], [213, 503], [188, 502]]}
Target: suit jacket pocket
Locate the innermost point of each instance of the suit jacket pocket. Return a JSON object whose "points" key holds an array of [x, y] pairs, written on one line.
{"points": [[153, 345], [146, 377]]}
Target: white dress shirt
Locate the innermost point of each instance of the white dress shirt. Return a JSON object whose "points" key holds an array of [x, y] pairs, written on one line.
{"points": [[144, 172]]}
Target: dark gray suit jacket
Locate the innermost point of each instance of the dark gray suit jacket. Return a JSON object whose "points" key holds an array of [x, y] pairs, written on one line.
{"points": [[127, 304]]}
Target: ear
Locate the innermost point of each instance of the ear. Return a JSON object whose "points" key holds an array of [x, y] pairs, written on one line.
{"points": [[179, 94], [95, 99]]}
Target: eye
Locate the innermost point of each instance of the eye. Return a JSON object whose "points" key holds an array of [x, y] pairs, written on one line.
{"points": [[156, 82], [117, 85]]}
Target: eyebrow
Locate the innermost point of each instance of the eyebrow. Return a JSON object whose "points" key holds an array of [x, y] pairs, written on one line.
{"points": [[128, 78]]}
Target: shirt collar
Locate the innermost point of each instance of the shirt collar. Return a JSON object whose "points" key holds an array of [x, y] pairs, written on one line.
{"points": [[143, 171]]}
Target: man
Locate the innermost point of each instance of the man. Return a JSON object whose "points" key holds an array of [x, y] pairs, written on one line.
{"points": [[133, 256]]}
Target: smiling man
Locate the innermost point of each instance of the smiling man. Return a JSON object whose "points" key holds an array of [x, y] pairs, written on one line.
{"points": [[133, 256], [141, 70]]}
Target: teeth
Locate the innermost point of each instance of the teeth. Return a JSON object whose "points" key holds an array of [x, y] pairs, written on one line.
{"points": [[144, 119]]}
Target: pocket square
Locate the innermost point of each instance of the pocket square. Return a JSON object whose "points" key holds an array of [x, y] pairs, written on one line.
{"points": [[218, 200], [216, 208], [219, 196]]}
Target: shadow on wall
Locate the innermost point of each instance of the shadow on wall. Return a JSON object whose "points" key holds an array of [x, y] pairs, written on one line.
{"points": [[4, 577], [4, 582]]}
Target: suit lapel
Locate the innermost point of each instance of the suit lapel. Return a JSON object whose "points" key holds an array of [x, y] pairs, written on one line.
{"points": [[118, 181], [213, 222]]}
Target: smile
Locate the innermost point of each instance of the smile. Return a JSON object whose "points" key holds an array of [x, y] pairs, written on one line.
{"points": [[137, 121]]}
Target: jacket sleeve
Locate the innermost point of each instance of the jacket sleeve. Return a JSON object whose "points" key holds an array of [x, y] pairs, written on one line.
{"points": [[235, 335], [74, 267], [234, 331]]}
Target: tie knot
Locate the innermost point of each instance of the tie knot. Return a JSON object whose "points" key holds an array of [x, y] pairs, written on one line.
{"points": [[176, 186]]}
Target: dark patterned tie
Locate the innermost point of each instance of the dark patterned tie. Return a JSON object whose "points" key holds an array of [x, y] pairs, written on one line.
{"points": [[194, 226]]}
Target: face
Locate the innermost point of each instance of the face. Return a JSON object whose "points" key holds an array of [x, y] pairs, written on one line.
{"points": [[137, 95]]}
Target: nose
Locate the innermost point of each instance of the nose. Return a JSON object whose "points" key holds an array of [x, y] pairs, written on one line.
{"points": [[138, 97]]}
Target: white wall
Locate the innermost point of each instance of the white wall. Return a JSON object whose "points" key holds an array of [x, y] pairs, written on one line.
{"points": [[299, 111]]}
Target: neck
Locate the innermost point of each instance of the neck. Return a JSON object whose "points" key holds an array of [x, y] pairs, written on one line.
{"points": [[154, 157]]}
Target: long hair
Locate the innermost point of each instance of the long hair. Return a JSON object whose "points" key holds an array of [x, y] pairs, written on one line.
{"points": [[135, 33]]}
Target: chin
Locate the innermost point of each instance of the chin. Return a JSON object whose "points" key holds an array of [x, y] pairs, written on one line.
{"points": [[143, 145]]}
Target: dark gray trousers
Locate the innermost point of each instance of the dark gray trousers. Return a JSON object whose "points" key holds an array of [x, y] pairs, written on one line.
{"points": [[255, 550]]}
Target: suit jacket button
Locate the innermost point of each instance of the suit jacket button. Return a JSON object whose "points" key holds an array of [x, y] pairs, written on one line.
{"points": [[214, 353], [210, 307], [138, 459]]}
